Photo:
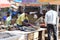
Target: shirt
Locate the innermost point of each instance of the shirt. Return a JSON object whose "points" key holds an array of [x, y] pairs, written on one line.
{"points": [[40, 20], [4, 18], [21, 18], [51, 17], [8, 20], [14, 13]]}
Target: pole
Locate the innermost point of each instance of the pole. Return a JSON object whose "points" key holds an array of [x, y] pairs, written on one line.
{"points": [[57, 21], [58, 8], [41, 9]]}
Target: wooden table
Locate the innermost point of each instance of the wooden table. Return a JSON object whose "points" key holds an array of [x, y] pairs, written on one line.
{"points": [[41, 30]]}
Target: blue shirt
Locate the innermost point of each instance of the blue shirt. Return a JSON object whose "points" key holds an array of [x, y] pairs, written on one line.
{"points": [[4, 18], [14, 13]]}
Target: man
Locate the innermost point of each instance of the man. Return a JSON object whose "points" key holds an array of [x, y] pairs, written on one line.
{"points": [[51, 22], [4, 17], [8, 20], [22, 20]]}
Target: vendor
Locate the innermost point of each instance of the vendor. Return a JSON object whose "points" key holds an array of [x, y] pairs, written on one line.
{"points": [[22, 20]]}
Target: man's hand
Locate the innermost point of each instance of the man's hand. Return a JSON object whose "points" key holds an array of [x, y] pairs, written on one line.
{"points": [[45, 24]]}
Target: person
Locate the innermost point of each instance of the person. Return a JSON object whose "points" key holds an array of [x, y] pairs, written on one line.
{"points": [[22, 20], [4, 17], [51, 22], [8, 20]]}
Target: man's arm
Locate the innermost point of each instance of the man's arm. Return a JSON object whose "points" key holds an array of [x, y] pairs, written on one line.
{"points": [[57, 19], [46, 19]]}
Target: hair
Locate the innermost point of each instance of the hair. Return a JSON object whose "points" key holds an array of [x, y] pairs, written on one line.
{"points": [[49, 6], [8, 12], [26, 12]]}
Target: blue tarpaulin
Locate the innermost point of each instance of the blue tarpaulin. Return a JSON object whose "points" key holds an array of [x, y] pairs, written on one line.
{"points": [[17, 0]]}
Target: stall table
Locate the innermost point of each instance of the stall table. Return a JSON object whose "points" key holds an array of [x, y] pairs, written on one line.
{"points": [[31, 35]]}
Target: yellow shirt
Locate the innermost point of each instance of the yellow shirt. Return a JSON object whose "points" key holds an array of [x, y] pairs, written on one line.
{"points": [[21, 18]]}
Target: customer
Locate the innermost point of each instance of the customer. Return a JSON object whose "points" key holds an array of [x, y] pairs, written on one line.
{"points": [[4, 17], [8, 20], [51, 22]]}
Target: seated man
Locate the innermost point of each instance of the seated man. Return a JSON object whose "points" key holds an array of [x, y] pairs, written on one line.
{"points": [[22, 20]]}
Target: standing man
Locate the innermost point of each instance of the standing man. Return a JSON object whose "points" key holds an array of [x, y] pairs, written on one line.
{"points": [[51, 22]]}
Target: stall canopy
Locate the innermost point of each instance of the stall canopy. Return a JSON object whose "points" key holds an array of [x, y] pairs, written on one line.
{"points": [[30, 4], [4, 3], [52, 2], [55, 2], [45, 1]]}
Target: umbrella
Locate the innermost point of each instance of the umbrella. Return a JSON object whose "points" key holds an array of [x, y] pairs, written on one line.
{"points": [[4, 3]]}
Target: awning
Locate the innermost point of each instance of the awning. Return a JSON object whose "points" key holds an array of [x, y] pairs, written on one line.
{"points": [[55, 2], [33, 4], [52, 2], [43, 1], [30, 4], [4, 3]]}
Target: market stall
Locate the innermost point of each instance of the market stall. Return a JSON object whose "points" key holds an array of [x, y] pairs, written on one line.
{"points": [[31, 35], [8, 36]]}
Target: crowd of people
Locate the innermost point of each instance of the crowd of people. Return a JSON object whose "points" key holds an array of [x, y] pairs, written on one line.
{"points": [[16, 18], [49, 19]]}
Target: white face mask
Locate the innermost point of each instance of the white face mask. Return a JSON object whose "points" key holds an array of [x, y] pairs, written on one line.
{"points": [[35, 16]]}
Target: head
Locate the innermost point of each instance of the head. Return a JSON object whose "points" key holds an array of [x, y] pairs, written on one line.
{"points": [[26, 13], [44, 12], [49, 7], [8, 14]]}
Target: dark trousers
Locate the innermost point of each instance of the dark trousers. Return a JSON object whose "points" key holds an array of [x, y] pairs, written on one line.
{"points": [[52, 28], [20, 27]]}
